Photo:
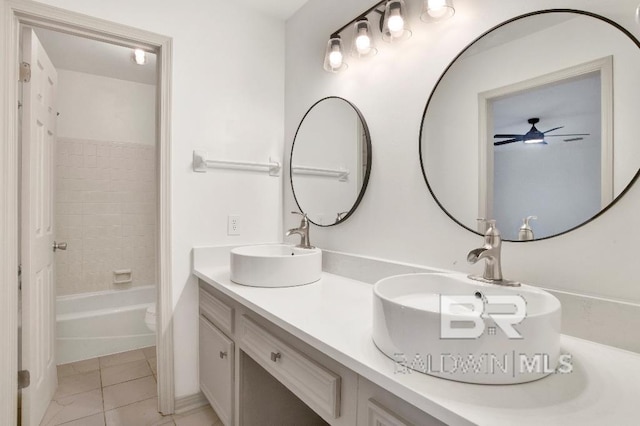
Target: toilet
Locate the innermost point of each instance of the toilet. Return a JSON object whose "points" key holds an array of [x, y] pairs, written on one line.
{"points": [[150, 318]]}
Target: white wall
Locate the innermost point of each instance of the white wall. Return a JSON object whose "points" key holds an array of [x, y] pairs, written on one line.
{"points": [[228, 83], [397, 218], [106, 188], [105, 109]]}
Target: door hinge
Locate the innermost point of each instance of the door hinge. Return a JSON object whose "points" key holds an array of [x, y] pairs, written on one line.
{"points": [[24, 378], [25, 72]]}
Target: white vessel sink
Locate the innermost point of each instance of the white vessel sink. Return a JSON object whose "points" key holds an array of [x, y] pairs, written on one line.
{"points": [[275, 265], [409, 328]]}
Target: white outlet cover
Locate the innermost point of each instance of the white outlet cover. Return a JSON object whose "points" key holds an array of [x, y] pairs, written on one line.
{"points": [[233, 224]]}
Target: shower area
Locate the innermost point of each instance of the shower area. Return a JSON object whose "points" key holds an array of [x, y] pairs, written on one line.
{"points": [[105, 190]]}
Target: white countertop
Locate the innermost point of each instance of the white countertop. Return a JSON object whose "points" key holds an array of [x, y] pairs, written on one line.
{"points": [[334, 315]]}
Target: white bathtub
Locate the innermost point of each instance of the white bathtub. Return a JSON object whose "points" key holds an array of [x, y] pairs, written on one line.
{"points": [[96, 324]]}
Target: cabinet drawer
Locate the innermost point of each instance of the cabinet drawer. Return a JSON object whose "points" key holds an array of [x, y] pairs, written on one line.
{"points": [[216, 369], [380, 416], [216, 311], [318, 387]]}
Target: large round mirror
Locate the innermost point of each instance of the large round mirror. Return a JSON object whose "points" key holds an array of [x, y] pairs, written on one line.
{"points": [[537, 117], [330, 161]]}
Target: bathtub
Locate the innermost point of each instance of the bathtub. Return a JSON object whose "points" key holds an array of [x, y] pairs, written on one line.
{"points": [[96, 324]]}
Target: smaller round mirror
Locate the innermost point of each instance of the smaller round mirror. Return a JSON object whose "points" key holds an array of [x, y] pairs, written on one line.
{"points": [[330, 161]]}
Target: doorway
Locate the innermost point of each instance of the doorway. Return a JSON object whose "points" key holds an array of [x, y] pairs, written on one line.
{"points": [[22, 14]]}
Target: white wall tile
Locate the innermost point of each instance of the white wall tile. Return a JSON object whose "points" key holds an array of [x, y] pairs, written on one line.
{"points": [[105, 209]]}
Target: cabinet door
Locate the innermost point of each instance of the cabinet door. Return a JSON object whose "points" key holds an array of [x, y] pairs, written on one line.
{"points": [[216, 369]]}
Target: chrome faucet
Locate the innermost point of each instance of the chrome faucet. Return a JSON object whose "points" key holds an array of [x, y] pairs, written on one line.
{"points": [[303, 231], [491, 253]]}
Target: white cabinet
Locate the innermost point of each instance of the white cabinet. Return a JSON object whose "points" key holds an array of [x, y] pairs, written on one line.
{"points": [[317, 386], [216, 369], [238, 349], [378, 407]]}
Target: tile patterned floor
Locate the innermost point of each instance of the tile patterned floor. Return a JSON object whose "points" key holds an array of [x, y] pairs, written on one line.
{"points": [[115, 390]]}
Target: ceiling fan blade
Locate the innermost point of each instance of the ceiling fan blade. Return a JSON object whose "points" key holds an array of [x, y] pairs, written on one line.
{"points": [[551, 130], [506, 142], [519, 137], [572, 134]]}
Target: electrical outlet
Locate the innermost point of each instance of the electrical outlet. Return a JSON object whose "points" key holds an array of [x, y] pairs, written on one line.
{"points": [[233, 224]]}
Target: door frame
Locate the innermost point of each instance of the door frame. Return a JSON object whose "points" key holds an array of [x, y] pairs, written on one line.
{"points": [[485, 137], [13, 14]]}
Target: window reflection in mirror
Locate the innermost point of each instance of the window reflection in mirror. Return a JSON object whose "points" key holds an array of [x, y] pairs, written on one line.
{"points": [[563, 73], [330, 161]]}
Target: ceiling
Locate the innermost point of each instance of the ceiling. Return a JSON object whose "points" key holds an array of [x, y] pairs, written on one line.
{"points": [[80, 54], [281, 9]]}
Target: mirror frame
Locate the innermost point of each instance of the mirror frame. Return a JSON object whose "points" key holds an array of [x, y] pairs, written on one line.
{"points": [[365, 180], [426, 108]]}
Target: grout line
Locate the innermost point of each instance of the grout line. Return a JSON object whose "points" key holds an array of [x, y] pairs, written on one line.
{"points": [[131, 403], [104, 415], [131, 380]]}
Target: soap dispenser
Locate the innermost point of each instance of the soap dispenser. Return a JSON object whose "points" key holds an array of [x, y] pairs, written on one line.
{"points": [[526, 233]]}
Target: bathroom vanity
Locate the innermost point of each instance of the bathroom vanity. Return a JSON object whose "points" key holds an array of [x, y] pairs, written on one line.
{"points": [[305, 355]]}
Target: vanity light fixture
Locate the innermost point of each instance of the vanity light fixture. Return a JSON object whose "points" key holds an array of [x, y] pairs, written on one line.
{"points": [[393, 25], [139, 56], [334, 56], [437, 10]]}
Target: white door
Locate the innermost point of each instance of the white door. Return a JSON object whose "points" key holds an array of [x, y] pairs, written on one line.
{"points": [[37, 233]]}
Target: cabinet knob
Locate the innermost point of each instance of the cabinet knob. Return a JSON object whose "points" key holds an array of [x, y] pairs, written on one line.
{"points": [[59, 246], [275, 356], [223, 355]]}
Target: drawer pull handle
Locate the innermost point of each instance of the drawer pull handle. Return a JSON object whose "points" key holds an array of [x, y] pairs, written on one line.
{"points": [[223, 355], [275, 356]]}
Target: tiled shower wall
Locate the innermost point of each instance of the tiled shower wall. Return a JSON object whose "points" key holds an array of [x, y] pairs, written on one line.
{"points": [[106, 212]]}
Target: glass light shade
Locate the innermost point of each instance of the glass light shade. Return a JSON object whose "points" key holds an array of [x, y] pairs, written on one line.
{"points": [[334, 56], [395, 26], [363, 46], [437, 10]]}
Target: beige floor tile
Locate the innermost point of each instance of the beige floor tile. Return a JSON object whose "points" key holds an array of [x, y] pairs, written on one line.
{"points": [[125, 372], [79, 367], [121, 358], [149, 352], [95, 420], [201, 417], [129, 392], [73, 407], [153, 363], [78, 383], [143, 413]]}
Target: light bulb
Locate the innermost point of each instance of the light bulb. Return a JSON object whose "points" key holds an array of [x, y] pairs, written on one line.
{"points": [[363, 43], [139, 56], [335, 58], [638, 15], [395, 23], [437, 8]]}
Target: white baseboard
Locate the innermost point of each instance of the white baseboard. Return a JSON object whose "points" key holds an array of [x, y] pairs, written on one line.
{"points": [[190, 402]]}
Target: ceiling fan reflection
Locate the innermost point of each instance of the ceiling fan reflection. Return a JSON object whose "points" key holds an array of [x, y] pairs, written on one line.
{"points": [[535, 136]]}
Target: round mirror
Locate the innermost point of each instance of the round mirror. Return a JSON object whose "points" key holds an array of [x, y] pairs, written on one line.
{"points": [[535, 119], [330, 161]]}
